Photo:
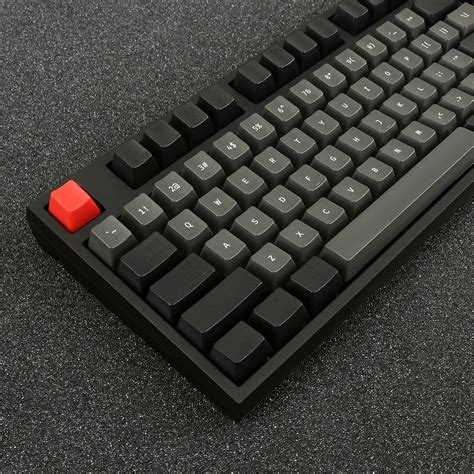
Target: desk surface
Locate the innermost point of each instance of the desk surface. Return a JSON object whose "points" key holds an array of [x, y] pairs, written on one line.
{"points": [[389, 390]]}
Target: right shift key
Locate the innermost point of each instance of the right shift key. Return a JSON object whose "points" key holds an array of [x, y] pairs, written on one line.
{"points": [[370, 232]]}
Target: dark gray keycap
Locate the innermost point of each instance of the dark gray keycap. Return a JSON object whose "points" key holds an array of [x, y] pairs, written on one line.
{"points": [[426, 47], [388, 77], [282, 114], [421, 92], [407, 62], [308, 184], [357, 144], [231, 152], [272, 265], [420, 137], [445, 34], [110, 239], [333, 163], [300, 240], [467, 84], [392, 36], [298, 147], [400, 156], [440, 77], [375, 174], [257, 132], [272, 166], [367, 93], [373, 50], [459, 62], [353, 196], [173, 193], [367, 235], [459, 102], [401, 109], [225, 252], [322, 127], [217, 208], [329, 80], [143, 216], [326, 217], [307, 97], [255, 228], [345, 110], [282, 205], [463, 19], [188, 232], [351, 65], [379, 126], [246, 187], [409, 21], [202, 172], [440, 119]]}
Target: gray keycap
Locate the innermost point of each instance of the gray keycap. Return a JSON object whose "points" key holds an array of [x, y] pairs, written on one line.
{"points": [[421, 92], [444, 34], [345, 110], [333, 163], [225, 252], [299, 147], [379, 126], [282, 205], [173, 193], [272, 265], [409, 21], [326, 217], [231, 152], [401, 109], [467, 84], [257, 132], [217, 208], [351, 65], [188, 232], [246, 187], [110, 239], [367, 235], [400, 156], [143, 216], [426, 47], [255, 228], [459, 62], [202, 172], [272, 166], [353, 196], [282, 114], [440, 77], [388, 77], [459, 102], [367, 93], [329, 80], [373, 50], [440, 119], [420, 137], [375, 174], [300, 240], [392, 36], [308, 184], [357, 144], [407, 62], [307, 97], [463, 19], [322, 127]]}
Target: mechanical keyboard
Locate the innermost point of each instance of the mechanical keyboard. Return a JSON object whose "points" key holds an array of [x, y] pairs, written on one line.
{"points": [[233, 233]]}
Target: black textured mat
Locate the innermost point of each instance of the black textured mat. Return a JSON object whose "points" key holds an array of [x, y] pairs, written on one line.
{"points": [[389, 391]]}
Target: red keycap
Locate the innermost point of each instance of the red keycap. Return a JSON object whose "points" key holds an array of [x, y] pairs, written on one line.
{"points": [[72, 206]]}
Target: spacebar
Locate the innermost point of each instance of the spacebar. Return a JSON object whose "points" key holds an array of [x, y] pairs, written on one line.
{"points": [[371, 231]]}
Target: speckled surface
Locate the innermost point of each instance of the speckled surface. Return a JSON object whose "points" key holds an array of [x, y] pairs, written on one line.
{"points": [[389, 391]]}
